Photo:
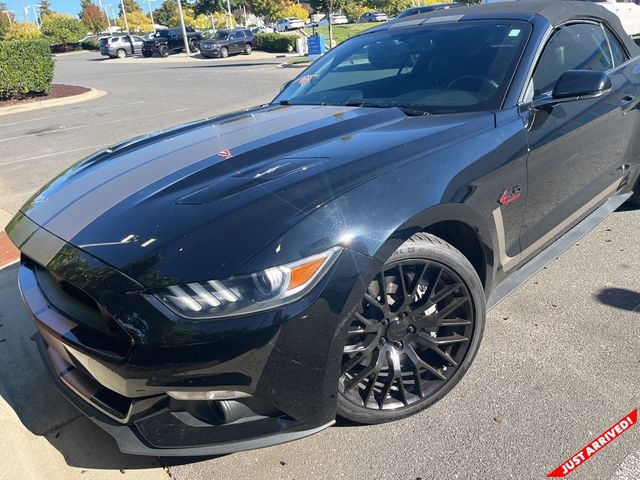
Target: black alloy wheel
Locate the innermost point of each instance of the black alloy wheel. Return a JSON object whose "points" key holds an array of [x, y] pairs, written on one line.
{"points": [[163, 51], [413, 335], [193, 46]]}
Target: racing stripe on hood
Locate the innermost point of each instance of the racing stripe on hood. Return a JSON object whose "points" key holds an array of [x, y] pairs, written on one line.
{"points": [[111, 182]]}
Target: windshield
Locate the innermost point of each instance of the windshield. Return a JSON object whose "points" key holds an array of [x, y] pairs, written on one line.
{"points": [[437, 68], [161, 33], [220, 35]]}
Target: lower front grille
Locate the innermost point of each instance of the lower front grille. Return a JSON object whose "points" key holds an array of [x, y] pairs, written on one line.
{"points": [[96, 329]]}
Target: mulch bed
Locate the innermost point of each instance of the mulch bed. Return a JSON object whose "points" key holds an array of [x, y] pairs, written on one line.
{"points": [[57, 91]]}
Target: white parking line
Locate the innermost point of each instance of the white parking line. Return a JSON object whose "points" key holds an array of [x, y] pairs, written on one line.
{"points": [[63, 152], [73, 128], [70, 113]]}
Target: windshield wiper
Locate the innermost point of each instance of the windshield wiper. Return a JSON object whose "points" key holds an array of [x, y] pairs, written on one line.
{"points": [[412, 112]]}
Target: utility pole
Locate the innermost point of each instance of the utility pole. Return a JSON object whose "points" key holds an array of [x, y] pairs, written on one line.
{"points": [[230, 23], [153, 23], [330, 24], [184, 29], [8, 12], [106, 13], [124, 14]]}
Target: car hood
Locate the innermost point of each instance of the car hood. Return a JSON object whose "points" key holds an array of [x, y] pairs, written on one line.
{"points": [[198, 201]]}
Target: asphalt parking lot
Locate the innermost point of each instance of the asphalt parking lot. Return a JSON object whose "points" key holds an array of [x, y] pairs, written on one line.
{"points": [[560, 360]]}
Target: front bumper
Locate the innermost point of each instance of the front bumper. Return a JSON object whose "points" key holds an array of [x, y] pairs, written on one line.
{"points": [[117, 361]]}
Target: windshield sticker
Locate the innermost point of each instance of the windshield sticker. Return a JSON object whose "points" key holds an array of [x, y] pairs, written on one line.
{"points": [[515, 32], [306, 79]]}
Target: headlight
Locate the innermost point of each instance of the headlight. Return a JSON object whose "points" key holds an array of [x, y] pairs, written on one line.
{"points": [[245, 294]]}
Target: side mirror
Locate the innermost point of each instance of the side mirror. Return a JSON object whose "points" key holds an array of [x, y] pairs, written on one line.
{"points": [[576, 85]]}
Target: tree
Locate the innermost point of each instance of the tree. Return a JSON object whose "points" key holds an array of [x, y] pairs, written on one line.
{"points": [[22, 31], [62, 29], [328, 7], [138, 22], [354, 10], [6, 19], [162, 15], [267, 8], [93, 17], [45, 7], [130, 6], [293, 10], [207, 7]]}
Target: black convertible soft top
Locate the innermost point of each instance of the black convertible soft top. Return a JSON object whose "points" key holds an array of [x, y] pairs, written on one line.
{"points": [[555, 12]]}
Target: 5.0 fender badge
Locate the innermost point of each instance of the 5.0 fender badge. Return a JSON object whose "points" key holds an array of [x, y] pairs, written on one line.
{"points": [[510, 196]]}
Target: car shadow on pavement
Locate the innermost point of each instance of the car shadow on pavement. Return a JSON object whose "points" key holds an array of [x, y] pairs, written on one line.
{"points": [[32, 408], [621, 298]]}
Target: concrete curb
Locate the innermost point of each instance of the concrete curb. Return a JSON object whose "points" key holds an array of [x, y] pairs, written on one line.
{"points": [[54, 102], [77, 52]]}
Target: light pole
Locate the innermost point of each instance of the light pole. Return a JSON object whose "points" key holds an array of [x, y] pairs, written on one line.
{"points": [[33, 7], [124, 14], [229, 13], [8, 12], [184, 29], [106, 13], [153, 23]]}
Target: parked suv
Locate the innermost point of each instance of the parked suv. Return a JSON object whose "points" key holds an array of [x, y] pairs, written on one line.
{"points": [[171, 40], [121, 46], [225, 42]]}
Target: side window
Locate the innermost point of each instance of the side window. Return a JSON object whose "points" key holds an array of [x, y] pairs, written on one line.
{"points": [[618, 53], [580, 46]]}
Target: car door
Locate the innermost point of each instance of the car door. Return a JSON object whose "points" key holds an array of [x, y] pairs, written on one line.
{"points": [[234, 42], [136, 43], [578, 149]]}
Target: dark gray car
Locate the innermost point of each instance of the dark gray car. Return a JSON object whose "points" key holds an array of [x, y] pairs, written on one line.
{"points": [[227, 42], [120, 47]]}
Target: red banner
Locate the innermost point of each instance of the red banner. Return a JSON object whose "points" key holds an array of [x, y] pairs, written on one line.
{"points": [[601, 441]]}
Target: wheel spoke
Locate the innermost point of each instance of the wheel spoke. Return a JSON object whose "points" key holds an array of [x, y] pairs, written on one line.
{"points": [[374, 366], [357, 358], [455, 303], [421, 364], [444, 293]]}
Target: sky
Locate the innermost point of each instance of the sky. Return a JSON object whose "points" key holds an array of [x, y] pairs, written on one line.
{"points": [[70, 6]]}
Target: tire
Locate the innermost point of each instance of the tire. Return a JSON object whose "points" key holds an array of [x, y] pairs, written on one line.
{"points": [[163, 51], [147, 54], [193, 46], [121, 53], [224, 52], [247, 49], [411, 329]]}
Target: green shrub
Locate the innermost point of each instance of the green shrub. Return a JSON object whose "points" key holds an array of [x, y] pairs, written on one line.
{"points": [[26, 67], [22, 31], [274, 42]]}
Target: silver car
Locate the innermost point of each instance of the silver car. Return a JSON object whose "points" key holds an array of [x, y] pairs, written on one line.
{"points": [[120, 47]]}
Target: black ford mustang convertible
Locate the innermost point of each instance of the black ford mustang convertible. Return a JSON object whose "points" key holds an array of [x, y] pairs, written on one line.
{"points": [[239, 281]]}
